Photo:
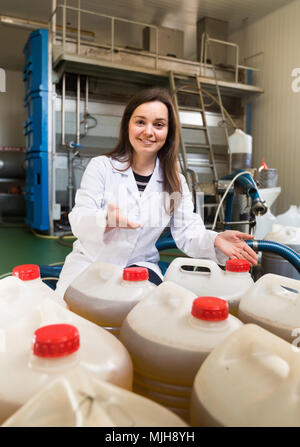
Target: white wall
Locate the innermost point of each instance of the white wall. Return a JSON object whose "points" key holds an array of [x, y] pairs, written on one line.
{"points": [[12, 111], [276, 113]]}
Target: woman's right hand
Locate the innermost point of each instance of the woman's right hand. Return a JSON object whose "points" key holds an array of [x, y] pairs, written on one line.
{"points": [[115, 219]]}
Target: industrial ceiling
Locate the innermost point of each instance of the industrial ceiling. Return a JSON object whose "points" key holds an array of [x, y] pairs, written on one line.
{"points": [[179, 14]]}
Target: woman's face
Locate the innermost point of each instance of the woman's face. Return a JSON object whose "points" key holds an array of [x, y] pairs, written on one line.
{"points": [[148, 127]]}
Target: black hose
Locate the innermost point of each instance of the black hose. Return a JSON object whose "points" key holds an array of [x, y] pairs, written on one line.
{"points": [[60, 240], [280, 249]]}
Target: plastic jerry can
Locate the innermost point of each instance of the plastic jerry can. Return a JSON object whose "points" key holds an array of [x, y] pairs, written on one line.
{"points": [[273, 302], [240, 142], [61, 341], [26, 288], [104, 293], [250, 379], [79, 400], [240, 148], [273, 262], [168, 335], [230, 284]]}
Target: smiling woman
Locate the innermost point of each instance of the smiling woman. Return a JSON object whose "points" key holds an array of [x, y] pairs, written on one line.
{"points": [[148, 130], [117, 221]]}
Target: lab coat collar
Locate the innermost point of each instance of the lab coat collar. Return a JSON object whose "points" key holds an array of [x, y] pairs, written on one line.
{"points": [[121, 167]]}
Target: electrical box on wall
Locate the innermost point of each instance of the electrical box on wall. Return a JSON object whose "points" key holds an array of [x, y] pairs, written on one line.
{"points": [[216, 29], [170, 41]]}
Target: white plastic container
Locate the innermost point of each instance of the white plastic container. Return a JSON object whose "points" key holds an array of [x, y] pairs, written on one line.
{"points": [[26, 288], [23, 373], [230, 284], [251, 379], [240, 142], [104, 293], [79, 400], [273, 303], [284, 234], [263, 225], [291, 217], [168, 335], [240, 148]]}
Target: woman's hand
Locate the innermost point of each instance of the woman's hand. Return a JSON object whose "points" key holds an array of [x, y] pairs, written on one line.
{"points": [[115, 219], [232, 244]]}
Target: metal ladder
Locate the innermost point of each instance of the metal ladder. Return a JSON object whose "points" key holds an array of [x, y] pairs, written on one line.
{"points": [[206, 38], [192, 86]]}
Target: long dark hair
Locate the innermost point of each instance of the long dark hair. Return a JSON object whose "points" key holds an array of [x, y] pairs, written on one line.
{"points": [[168, 154]]}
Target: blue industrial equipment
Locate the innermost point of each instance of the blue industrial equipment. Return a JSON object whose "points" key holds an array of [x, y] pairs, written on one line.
{"points": [[36, 189], [36, 124], [36, 61], [36, 80], [248, 187]]}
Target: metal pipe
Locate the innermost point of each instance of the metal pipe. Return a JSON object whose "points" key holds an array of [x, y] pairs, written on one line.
{"points": [[64, 19], [78, 111], [237, 64], [205, 52], [245, 67], [112, 38], [63, 97], [85, 11], [260, 53], [232, 44], [202, 47], [202, 54], [70, 179], [78, 28], [54, 19], [86, 95]]}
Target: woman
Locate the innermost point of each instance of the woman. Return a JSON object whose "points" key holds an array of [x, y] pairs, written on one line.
{"points": [[130, 195]]}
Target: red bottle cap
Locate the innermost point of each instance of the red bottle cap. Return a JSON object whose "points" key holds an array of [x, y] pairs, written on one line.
{"points": [[237, 265], [26, 272], [56, 340], [209, 308], [135, 274]]}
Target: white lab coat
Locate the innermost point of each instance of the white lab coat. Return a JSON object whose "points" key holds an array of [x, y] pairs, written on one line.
{"points": [[105, 181]]}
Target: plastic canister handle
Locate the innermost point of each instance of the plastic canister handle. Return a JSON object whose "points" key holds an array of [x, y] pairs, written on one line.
{"points": [[176, 265], [168, 293], [273, 283], [109, 272]]}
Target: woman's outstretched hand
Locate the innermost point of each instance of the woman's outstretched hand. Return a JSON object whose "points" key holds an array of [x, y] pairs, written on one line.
{"points": [[115, 219], [232, 244]]}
